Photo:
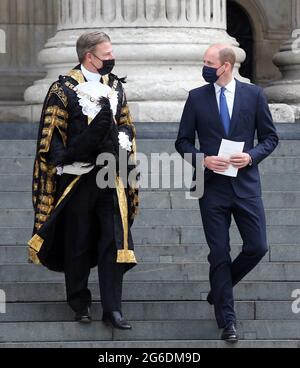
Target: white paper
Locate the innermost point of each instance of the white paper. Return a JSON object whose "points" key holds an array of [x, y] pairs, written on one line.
{"points": [[227, 149], [77, 168]]}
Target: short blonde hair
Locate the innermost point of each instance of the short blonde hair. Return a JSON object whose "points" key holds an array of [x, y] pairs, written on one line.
{"points": [[88, 41]]}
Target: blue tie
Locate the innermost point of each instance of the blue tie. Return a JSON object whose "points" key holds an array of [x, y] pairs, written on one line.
{"points": [[224, 112]]}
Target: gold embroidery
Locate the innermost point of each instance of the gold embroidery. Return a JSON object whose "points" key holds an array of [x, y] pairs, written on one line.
{"points": [[49, 186], [125, 255], [42, 218], [57, 118], [33, 258], [59, 92], [77, 75], [36, 242], [45, 209], [57, 111], [36, 169]]}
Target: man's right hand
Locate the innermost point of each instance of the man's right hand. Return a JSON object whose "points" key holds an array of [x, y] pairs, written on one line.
{"points": [[217, 164]]}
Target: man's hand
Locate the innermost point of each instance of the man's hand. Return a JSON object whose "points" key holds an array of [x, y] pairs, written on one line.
{"points": [[240, 160], [217, 164]]}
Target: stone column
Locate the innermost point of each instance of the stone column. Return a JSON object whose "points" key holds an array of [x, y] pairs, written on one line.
{"points": [[287, 89], [158, 44]]}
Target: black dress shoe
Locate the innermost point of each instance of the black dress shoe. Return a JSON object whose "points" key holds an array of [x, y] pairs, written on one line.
{"points": [[83, 316], [116, 319], [229, 333]]}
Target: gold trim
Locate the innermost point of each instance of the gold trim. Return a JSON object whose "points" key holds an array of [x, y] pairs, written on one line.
{"points": [[33, 258], [56, 110], [36, 243], [126, 256], [50, 123], [67, 190], [105, 79], [77, 75]]}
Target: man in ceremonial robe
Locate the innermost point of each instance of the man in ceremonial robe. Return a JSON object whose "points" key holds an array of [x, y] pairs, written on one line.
{"points": [[79, 225]]}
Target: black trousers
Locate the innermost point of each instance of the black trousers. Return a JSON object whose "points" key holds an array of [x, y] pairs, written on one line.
{"points": [[90, 204], [217, 206]]}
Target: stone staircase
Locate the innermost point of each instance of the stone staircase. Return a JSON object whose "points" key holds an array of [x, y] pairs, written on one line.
{"points": [[164, 296]]}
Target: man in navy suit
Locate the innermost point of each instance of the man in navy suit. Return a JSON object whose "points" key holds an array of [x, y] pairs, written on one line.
{"points": [[226, 108]]}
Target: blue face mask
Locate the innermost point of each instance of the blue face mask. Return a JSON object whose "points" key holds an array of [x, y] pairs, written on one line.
{"points": [[209, 74]]}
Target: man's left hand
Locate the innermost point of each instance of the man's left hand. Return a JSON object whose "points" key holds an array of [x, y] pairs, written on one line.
{"points": [[240, 160]]}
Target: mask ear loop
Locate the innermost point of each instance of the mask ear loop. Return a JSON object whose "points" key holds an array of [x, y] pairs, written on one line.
{"points": [[223, 72], [98, 59]]}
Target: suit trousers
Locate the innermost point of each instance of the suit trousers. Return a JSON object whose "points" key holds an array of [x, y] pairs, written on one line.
{"points": [[91, 204], [217, 206]]}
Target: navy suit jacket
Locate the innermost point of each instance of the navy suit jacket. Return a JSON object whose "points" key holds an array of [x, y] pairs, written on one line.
{"points": [[250, 115]]}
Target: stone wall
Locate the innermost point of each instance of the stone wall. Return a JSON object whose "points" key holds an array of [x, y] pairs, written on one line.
{"points": [[28, 25]]}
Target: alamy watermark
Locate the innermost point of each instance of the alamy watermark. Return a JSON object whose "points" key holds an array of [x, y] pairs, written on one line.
{"points": [[2, 42], [2, 301], [296, 302], [156, 171], [296, 43]]}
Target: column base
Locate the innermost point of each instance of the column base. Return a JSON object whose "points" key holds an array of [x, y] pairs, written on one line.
{"points": [[143, 112], [19, 112]]}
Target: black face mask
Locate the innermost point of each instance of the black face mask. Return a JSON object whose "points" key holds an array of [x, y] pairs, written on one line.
{"points": [[107, 67]]}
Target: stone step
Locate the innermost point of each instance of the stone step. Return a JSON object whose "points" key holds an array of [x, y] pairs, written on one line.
{"points": [[160, 344], [286, 253], [175, 217], [279, 165], [150, 311], [148, 253], [277, 235], [173, 253], [138, 311], [14, 218], [27, 148], [160, 200], [270, 182], [149, 330], [189, 271], [42, 291], [271, 200]]}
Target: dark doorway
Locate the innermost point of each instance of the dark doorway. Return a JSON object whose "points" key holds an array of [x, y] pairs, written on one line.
{"points": [[239, 27]]}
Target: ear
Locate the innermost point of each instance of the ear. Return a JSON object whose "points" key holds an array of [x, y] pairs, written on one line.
{"points": [[88, 56], [227, 65]]}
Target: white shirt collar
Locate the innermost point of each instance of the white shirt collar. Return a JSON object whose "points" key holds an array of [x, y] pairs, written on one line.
{"points": [[230, 86], [90, 76]]}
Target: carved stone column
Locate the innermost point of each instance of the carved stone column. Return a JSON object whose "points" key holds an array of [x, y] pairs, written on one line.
{"points": [[287, 90], [159, 45]]}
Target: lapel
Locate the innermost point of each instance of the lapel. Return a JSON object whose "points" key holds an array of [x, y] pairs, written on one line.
{"points": [[236, 107], [214, 110]]}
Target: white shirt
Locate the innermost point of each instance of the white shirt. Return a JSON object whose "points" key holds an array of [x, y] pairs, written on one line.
{"points": [[229, 93], [90, 76]]}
